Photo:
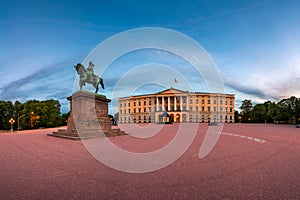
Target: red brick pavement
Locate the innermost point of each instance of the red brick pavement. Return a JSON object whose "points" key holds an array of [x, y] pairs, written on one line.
{"points": [[36, 166]]}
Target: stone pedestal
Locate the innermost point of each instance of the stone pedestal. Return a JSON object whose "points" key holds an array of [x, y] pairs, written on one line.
{"points": [[88, 117]]}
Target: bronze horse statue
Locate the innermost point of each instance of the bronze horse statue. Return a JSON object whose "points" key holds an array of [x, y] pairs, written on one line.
{"points": [[88, 76]]}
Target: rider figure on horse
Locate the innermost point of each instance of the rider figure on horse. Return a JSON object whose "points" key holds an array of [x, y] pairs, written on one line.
{"points": [[90, 71]]}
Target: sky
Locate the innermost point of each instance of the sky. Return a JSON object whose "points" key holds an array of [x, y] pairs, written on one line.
{"points": [[253, 44]]}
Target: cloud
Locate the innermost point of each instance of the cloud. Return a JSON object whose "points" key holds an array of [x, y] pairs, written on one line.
{"points": [[52, 81], [245, 88], [267, 84]]}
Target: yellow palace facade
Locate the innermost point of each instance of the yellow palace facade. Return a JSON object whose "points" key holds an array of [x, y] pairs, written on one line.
{"points": [[173, 105]]}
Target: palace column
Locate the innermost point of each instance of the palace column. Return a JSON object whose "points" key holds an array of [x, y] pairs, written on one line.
{"points": [[187, 103], [180, 103], [175, 100], [163, 103], [169, 104], [157, 104]]}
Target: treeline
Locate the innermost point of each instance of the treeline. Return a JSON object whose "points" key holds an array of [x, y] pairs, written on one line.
{"points": [[285, 111], [31, 114]]}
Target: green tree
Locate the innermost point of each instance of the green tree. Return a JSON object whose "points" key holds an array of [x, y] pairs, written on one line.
{"points": [[50, 113], [116, 117], [236, 116], [6, 112], [298, 111], [273, 112], [258, 114], [246, 108], [18, 107], [29, 114], [288, 110], [64, 118]]}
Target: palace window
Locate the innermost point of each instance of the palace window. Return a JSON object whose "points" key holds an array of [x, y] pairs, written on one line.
{"points": [[191, 108], [150, 103], [150, 109], [231, 110], [197, 101], [215, 109], [203, 108], [128, 104], [208, 101], [196, 108], [144, 109], [139, 103], [202, 101], [221, 102], [208, 109], [191, 101], [120, 105], [139, 110], [134, 103], [231, 103], [128, 110], [215, 101], [134, 110]]}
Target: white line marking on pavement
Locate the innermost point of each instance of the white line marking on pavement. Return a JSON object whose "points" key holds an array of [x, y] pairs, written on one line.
{"points": [[246, 137]]}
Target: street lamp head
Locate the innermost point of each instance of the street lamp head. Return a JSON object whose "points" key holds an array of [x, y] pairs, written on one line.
{"points": [[11, 121]]}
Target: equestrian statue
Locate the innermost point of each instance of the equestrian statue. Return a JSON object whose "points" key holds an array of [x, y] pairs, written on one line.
{"points": [[87, 76]]}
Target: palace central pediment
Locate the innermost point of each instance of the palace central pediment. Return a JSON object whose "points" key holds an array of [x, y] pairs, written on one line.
{"points": [[172, 91]]}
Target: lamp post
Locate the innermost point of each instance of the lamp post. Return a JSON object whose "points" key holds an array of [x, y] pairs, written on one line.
{"points": [[240, 118], [19, 117], [11, 121], [31, 118]]}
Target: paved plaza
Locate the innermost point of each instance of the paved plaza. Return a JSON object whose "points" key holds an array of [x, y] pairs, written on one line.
{"points": [[249, 161]]}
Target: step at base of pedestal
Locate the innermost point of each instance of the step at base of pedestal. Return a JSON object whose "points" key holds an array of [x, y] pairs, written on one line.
{"points": [[86, 134]]}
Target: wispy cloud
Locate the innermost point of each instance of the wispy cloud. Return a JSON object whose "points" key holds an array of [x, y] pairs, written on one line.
{"points": [[52, 81], [265, 84]]}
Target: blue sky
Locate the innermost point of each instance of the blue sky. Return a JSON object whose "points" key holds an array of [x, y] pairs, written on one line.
{"points": [[254, 44]]}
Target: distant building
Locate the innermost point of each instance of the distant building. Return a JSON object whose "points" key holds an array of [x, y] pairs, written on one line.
{"points": [[173, 105]]}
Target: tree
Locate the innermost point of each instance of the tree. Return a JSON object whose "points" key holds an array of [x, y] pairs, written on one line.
{"points": [[64, 118], [236, 116], [273, 112], [6, 112], [50, 113], [258, 113], [288, 110], [116, 117], [246, 108]]}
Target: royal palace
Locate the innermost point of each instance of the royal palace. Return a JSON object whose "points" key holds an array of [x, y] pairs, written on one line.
{"points": [[173, 105]]}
